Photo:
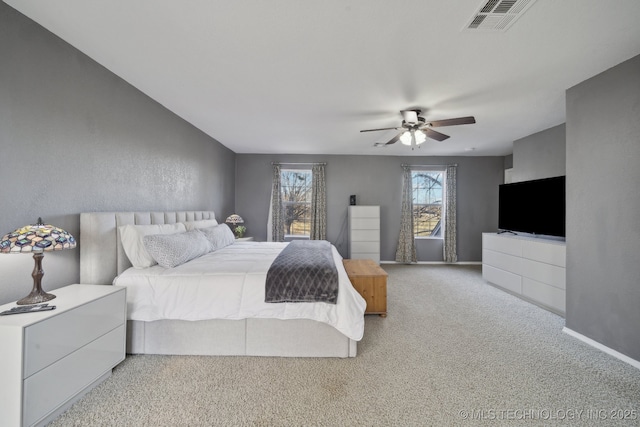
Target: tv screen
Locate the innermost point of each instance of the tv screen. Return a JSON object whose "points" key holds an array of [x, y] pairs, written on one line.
{"points": [[535, 207]]}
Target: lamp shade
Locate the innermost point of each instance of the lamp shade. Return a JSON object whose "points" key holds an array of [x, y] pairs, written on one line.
{"points": [[405, 138], [36, 239], [234, 219]]}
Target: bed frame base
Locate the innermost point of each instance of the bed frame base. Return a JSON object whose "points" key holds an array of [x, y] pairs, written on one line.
{"points": [[246, 337]]}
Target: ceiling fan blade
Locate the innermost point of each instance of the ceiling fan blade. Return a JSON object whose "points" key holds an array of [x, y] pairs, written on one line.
{"points": [[434, 134], [394, 139], [374, 130], [410, 116], [452, 122]]}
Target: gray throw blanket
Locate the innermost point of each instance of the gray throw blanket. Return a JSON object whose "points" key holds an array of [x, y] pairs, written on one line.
{"points": [[303, 272]]}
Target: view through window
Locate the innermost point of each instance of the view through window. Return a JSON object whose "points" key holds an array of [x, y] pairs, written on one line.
{"points": [[296, 201], [428, 192]]}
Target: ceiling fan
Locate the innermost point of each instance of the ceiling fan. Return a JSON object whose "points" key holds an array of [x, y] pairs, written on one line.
{"points": [[414, 129]]}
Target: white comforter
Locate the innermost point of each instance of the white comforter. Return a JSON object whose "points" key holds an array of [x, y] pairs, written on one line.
{"points": [[229, 284]]}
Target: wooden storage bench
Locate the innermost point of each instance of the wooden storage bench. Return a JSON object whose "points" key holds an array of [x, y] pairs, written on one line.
{"points": [[370, 280]]}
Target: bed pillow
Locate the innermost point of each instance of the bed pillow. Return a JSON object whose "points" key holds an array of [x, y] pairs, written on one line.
{"points": [[172, 250], [203, 223], [219, 236], [131, 238]]}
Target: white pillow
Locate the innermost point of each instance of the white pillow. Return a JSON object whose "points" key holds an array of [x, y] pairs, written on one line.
{"points": [[131, 238], [219, 236], [172, 250], [203, 223]]}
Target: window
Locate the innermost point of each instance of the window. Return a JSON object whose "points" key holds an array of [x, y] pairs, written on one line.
{"points": [[428, 192], [296, 201]]}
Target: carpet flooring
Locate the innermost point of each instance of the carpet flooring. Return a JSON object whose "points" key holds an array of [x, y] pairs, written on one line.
{"points": [[452, 351]]}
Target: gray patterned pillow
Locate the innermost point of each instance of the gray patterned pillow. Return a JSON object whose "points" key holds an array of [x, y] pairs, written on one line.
{"points": [[219, 236], [172, 250]]}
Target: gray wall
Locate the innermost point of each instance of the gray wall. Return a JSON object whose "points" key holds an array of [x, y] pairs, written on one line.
{"points": [[508, 161], [74, 137], [540, 155], [377, 180], [603, 206]]}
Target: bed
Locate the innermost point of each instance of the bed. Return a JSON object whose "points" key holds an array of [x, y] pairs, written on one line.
{"points": [[256, 329]]}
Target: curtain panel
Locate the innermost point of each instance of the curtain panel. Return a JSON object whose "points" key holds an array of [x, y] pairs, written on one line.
{"points": [[450, 251], [406, 251], [318, 203], [275, 222]]}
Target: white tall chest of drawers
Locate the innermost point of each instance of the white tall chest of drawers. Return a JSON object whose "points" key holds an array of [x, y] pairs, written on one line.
{"points": [[52, 358], [364, 232]]}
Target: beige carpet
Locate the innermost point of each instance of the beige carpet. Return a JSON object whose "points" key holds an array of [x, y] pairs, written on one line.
{"points": [[452, 348]]}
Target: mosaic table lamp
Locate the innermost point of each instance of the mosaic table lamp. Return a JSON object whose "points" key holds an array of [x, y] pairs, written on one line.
{"points": [[235, 219], [37, 239]]}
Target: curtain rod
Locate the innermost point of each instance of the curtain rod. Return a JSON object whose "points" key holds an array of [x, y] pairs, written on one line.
{"points": [[430, 166], [293, 163]]}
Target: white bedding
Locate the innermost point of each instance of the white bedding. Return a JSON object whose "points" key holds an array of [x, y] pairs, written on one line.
{"points": [[229, 284]]}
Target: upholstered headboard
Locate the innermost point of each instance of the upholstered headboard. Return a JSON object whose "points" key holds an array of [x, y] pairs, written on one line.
{"points": [[102, 257]]}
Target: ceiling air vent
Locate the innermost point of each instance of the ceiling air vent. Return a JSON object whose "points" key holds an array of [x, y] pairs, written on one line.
{"points": [[497, 15]]}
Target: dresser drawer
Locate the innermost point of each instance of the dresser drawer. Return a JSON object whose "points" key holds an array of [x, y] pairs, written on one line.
{"points": [[365, 235], [365, 211], [365, 247], [544, 294], [503, 279], [546, 273], [48, 342], [365, 223], [548, 253], [506, 262], [54, 385], [502, 244]]}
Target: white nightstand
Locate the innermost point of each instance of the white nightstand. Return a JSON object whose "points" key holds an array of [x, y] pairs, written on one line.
{"points": [[52, 358], [244, 239]]}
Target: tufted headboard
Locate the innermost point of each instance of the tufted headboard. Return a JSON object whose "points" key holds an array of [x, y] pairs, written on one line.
{"points": [[102, 257]]}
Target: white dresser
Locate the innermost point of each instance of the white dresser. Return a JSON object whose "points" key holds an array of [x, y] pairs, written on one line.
{"points": [[52, 358], [364, 232], [532, 268]]}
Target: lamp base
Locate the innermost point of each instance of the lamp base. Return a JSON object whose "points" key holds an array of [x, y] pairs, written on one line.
{"points": [[36, 298], [37, 295]]}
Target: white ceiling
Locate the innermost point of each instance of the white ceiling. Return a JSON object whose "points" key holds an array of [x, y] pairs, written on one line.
{"points": [[292, 76]]}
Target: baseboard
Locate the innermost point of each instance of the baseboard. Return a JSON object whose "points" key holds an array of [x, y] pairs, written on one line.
{"points": [[434, 263], [601, 347]]}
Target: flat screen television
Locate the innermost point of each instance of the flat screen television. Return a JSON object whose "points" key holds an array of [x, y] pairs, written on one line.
{"points": [[535, 207]]}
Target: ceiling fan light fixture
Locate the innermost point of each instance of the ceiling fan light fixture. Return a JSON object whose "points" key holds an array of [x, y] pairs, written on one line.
{"points": [[420, 137], [414, 130], [405, 138]]}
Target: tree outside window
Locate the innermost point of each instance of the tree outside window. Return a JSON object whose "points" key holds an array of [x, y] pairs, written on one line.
{"points": [[296, 201], [428, 192]]}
